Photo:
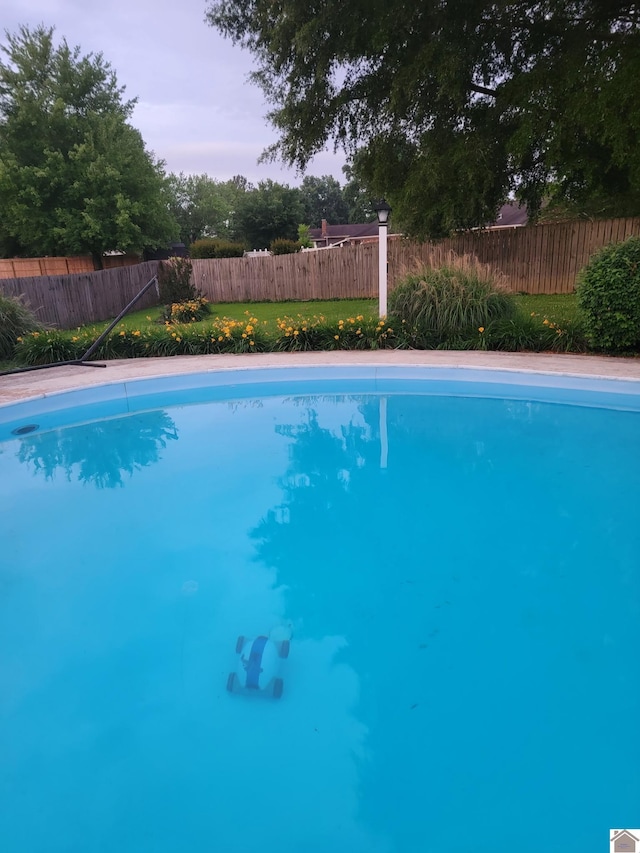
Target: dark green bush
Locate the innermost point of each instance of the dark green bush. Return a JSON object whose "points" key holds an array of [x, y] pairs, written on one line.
{"points": [[441, 306], [15, 320], [282, 246], [609, 297], [215, 248], [174, 281]]}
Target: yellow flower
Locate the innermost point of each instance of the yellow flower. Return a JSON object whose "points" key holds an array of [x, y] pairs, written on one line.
{"points": [[20, 339], [296, 333], [220, 337], [252, 343], [244, 334], [74, 338], [148, 318], [481, 329], [337, 337], [545, 322], [137, 333], [122, 334]]}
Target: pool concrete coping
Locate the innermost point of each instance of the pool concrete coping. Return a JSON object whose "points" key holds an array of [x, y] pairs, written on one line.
{"points": [[38, 384]]}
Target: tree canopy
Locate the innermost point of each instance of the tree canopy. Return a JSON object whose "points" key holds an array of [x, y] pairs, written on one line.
{"points": [[452, 105], [74, 174], [269, 211], [322, 198], [197, 205]]}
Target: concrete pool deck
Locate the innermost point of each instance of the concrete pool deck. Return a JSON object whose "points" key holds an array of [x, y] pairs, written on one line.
{"points": [[41, 383]]}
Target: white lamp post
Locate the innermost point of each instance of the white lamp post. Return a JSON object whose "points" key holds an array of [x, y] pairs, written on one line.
{"points": [[383, 211]]}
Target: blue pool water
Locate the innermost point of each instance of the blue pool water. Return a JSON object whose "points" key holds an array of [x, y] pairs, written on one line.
{"points": [[456, 559]]}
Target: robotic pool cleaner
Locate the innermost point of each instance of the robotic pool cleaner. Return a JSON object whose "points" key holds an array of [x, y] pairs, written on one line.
{"points": [[259, 664]]}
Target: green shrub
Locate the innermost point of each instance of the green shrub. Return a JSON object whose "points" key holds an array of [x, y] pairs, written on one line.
{"points": [[15, 320], [192, 311], [304, 237], [174, 281], [216, 248], [609, 297], [441, 306], [282, 246]]}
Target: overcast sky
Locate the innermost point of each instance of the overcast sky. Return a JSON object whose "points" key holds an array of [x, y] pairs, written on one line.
{"points": [[196, 109]]}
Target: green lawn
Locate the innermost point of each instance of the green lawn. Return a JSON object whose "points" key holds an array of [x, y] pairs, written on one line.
{"points": [[555, 307]]}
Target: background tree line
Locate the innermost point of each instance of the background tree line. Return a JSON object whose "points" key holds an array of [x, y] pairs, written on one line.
{"points": [[445, 108], [77, 178], [256, 215]]}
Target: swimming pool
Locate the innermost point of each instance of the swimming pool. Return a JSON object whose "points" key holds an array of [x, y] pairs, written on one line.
{"points": [[454, 555]]}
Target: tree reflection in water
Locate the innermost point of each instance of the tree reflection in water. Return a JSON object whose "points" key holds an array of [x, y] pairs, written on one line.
{"points": [[100, 453]]}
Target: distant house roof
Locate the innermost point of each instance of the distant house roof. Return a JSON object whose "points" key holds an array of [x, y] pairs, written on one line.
{"points": [[510, 215], [330, 235]]}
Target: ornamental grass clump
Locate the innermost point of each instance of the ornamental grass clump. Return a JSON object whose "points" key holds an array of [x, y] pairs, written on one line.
{"points": [[16, 320], [609, 297], [446, 305]]}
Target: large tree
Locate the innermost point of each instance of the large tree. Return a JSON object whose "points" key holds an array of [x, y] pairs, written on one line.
{"points": [[198, 206], [269, 211], [74, 174], [455, 104], [322, 198]]}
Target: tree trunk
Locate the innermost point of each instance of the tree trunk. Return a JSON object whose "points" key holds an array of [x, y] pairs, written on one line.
{"points": [[97, 260]]}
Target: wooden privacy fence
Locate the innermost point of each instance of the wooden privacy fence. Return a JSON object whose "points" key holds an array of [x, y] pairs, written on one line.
{"points": [[68, 301], [535, 259], [29, 267], [341, 273], [541, 258]]}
